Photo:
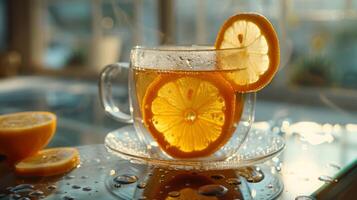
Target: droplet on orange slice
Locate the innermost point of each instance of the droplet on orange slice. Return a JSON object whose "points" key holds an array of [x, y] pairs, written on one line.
{"points": [[257, 54], [25, 133], [190, 115], [49, 162]]}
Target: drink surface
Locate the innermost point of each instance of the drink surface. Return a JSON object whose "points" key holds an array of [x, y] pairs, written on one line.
{"points": [[189, 113]]}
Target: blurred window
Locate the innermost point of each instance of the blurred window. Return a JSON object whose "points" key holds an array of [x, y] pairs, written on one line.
{"points": [[324, 39], [97, 32], [318, 38], [3, 26]]}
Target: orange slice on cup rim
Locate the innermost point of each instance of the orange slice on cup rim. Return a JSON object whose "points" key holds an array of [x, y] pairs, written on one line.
{"points": [[190, 115], [49, 162], [257, 57]]}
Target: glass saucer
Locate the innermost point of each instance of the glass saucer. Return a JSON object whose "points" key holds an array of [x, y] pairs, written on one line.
{"points": [[259, 146]]}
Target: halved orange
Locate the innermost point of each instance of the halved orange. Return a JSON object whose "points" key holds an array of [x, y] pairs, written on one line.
{"points": [[190, 114], [257, 56], [25, 133], [49, 162]]}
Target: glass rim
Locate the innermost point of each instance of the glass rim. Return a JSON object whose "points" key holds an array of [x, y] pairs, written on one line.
{"points": [[184, 48], [176, 57]]}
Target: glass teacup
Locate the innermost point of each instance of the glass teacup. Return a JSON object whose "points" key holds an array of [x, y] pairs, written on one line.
{"points": [[181, 104]]}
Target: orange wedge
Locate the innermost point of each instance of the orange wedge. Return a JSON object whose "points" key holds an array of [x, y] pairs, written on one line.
{"points": [[25, 133], [190, 115], [257, 57], [49, 162]]}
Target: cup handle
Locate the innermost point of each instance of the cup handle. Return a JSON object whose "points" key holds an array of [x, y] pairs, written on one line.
{"points": [[105, 92]]}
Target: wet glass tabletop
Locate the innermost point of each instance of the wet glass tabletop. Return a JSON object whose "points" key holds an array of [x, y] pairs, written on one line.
{"points": [[320, 143]]}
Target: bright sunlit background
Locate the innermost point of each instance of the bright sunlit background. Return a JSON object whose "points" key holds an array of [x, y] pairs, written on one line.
{"points": [[52, 37]]}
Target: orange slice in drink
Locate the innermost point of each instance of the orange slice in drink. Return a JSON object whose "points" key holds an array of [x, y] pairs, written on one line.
{"points": [[49, 162], [25, 133], [190, 115], [257, 55]]}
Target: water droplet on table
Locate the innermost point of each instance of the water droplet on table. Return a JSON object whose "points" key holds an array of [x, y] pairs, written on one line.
{"points": [[23, 192], [303, 197], [212, 190], [70, 177], [24, 198], [21, 187], [334, 166], [84, 177], [51, 187], [327, 179], [174, 194], [87, 189], [218, 176], [36, 193], [76, 186], [233, 181], [112, 172], [251, 174], [141, 185], [117, 185], [68, 198], [125, 179]]}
